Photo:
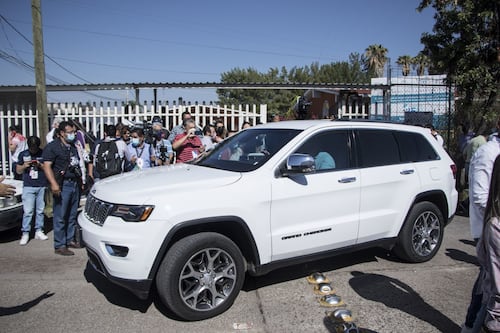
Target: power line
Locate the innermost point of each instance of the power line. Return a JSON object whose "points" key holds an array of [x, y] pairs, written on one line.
{"points": [[19, 62], [48, 57]]}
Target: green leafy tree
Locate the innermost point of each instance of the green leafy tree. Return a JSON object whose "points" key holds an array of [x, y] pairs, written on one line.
{"points": [[280, 100], [405, 62], [465, 45], [375, 59]]}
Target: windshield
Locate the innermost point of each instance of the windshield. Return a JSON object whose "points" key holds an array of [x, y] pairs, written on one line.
{"points": [[248, 149]]}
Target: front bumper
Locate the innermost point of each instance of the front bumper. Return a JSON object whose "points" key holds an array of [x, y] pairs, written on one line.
{"points": [[139, 288], [124, 252], [11, 217]]}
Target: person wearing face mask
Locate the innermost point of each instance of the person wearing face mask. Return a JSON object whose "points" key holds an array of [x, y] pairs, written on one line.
{"points": [[188, 145], [29, 166], [62, 167], [139, 153], [162, 147], [17, 143]]}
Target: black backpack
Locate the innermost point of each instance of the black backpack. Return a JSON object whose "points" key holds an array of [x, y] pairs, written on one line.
{"points": [[108, 160]]}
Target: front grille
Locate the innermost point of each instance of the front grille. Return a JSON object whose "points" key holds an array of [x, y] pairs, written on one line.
{"points": [[96, 210]]}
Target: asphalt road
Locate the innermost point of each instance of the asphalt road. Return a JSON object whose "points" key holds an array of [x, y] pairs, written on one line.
{"points": [[44, 292]]}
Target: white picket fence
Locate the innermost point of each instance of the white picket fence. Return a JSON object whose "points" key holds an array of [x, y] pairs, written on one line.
{"points": [[94, 117]]}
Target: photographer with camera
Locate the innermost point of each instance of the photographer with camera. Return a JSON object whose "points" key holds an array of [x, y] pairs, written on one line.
{"points": [[29, 166], [180, 129], [188, 145], [64, 170], [162, 147]]}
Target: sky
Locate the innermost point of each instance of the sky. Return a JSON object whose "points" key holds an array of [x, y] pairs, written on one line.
{"points": [[124, 41]]}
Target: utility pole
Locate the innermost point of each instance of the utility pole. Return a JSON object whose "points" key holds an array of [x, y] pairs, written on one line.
{"points": [[41, 94]]}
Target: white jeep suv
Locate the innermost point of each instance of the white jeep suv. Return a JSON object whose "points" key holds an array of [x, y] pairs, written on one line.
{"points": [[271, 195]]}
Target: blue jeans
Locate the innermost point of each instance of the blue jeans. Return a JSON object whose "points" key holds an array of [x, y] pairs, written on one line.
{"points": [[65, 208], [33, 202]]}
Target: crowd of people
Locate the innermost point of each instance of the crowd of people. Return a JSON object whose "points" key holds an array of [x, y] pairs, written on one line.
{"points": [[69, 164]]}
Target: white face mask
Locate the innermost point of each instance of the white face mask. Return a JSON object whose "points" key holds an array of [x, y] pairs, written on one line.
{"points": [[135, 142], [70, 137]]}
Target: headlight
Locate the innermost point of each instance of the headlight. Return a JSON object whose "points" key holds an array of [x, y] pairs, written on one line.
{"points": [[8, 201], [132, 213]]}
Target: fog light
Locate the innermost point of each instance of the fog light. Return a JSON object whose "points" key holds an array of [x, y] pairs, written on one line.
{"points": [[116, 250]]}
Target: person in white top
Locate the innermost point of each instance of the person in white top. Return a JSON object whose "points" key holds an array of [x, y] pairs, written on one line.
{"points": [[481, 166]]}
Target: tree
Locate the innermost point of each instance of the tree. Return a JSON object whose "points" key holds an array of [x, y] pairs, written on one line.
{"points": [[405, 62], [279, 101], [375, 59], [465, 45], [420, 63]]}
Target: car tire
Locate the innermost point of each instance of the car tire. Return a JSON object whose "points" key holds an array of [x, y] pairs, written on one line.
{"points": [[200, 276], [422, 233]]}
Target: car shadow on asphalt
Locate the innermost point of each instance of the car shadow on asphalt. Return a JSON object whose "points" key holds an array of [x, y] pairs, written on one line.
{"points": [[122, 297], [396, 294], [323, 265], [114, 293]]}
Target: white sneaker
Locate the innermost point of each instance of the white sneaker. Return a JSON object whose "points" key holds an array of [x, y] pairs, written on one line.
{"points": [[40, 235], [24, 238]]}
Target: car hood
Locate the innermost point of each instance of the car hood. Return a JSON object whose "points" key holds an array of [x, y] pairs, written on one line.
{"points": [[139, 187]]}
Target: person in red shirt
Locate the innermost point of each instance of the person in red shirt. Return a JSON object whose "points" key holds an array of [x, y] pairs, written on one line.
{"points": [[187, 145]]}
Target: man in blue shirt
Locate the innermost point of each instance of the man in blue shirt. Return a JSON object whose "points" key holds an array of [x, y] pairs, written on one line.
{"points": [[61, 163], [29, 165]]}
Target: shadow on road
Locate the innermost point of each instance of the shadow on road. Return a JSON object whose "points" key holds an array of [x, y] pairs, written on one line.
{"points": [[6, 311], [122, 297], [397, 295], [468, 242], [324, 265], [114, 293], [460, 255]]}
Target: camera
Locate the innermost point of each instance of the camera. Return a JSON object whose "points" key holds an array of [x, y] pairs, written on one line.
{"points": [[302, 107], [163, 153], [75, 169]]}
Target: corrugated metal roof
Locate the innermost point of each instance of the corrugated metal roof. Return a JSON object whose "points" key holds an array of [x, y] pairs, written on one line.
{"points": [[218, 85]]}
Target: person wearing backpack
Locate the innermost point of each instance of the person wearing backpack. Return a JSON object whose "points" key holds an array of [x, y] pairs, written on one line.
{"points": [[108, 156]]}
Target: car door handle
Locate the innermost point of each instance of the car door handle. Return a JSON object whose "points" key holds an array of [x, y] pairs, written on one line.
{"points": [[407, 172], [347, 180]]}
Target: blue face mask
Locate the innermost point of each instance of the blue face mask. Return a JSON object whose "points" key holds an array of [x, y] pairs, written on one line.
{"points": [[70, 137], [135, 142]]}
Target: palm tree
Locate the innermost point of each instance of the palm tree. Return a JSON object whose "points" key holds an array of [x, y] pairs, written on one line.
{"points": [[405, 61], [376, 57], [421, 63]]}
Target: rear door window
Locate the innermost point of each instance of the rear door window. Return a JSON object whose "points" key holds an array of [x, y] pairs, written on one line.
{"points": [[377, 147]]}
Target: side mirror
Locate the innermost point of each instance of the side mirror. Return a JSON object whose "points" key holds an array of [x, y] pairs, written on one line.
{"points": [[299, 163]]}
